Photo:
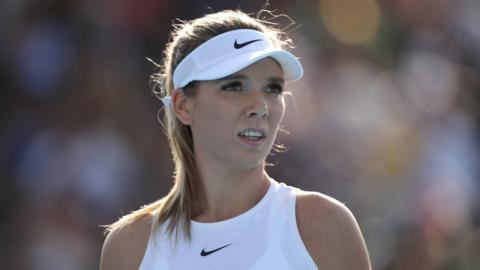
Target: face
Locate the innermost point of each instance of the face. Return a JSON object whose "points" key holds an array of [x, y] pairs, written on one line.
{"points": [[235, 119]]}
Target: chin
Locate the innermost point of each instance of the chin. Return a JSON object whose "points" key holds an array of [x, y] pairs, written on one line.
{"points": [[250, 161]]}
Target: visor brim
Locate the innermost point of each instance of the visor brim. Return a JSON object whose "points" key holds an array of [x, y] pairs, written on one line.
{"points": [[291, 67]]}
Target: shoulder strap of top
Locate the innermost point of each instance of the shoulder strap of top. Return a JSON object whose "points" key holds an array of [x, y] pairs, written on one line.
{"points": [[293, 244]]}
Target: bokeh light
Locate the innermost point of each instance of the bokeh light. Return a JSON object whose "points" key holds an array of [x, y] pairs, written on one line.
{"points": [[351, 21]]}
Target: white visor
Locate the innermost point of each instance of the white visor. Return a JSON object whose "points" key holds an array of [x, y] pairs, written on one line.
{"points": [[230, 52]]}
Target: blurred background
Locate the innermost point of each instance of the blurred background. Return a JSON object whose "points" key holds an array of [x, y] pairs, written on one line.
{"points": [[386, 120]]}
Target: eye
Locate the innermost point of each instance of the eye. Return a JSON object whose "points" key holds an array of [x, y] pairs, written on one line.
{"points": [[275, 88], [232, 86]]}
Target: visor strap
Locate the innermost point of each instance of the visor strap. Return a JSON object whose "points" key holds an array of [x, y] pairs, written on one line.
{"points": [[167, 102]]}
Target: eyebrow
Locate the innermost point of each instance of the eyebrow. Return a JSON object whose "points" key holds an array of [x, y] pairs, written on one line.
{"points": [[241, 76]]}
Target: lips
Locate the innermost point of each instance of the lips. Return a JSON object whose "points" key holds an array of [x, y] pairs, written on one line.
{"points": [[252, 136]]}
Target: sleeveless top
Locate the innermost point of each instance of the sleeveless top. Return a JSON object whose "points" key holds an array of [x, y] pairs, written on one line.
{"points": [[264, 237]]}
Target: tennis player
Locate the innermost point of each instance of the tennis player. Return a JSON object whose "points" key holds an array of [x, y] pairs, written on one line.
{"points": [[223, 80]]}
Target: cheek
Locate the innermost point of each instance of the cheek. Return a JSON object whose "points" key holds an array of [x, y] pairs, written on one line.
{"points": [[210, 119], [277, 110]]}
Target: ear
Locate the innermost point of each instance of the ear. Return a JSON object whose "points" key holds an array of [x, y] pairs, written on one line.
{"points": [[181, 107]]}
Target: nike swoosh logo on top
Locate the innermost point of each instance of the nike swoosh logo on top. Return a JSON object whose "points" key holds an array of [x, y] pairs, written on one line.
{"points": [[241, 45], [206, 253]]}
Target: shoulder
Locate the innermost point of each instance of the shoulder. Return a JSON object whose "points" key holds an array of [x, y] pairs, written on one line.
{"points": [[125, 246], [330, 232]]}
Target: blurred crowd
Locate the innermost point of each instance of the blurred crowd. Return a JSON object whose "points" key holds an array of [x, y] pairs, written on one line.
{"points": [[386, 120]]}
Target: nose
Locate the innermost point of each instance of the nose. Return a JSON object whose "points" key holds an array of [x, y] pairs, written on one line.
{"points": [[257, 107]]}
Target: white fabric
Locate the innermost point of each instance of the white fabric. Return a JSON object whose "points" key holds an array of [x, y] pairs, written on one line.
{"points": [[230, 52], [264, 237], [167, 101]]}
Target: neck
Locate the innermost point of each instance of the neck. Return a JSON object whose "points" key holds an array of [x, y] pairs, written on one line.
{"points": [[224, 194]]}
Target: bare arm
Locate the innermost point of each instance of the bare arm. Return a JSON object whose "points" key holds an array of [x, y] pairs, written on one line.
{"points": [[330, 233], [123, 248]]}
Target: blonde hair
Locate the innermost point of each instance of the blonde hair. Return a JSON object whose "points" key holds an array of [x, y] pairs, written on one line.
{"points": [[176, 207]]}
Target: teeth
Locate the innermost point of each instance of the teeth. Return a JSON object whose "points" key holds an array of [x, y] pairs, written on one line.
{"points": [[251, 133]]}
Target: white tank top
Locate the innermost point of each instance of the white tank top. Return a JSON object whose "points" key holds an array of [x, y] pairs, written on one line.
{"points": [[264, 237]]}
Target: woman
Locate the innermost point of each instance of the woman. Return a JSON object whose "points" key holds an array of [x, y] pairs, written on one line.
{"points": [[222, 81]]}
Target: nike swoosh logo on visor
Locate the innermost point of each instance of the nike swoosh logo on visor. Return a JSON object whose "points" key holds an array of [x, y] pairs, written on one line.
{"points": [[206, 253], [237, 45]]}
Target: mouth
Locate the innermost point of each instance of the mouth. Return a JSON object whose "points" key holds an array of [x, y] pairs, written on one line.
{"points": [[252, 136]]}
